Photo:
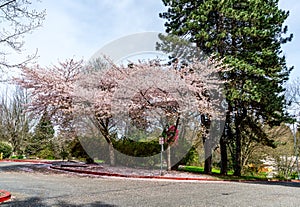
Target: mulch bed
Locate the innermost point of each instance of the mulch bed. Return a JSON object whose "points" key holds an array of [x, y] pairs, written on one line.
{"points": [[104, 169], [62, 167]]}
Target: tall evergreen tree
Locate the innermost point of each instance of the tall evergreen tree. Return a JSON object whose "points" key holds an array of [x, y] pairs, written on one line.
{"points": [[43, 133], [248, 34]]}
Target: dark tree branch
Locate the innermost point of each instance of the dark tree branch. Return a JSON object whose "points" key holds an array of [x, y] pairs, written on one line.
{"points": [[3, 5]]}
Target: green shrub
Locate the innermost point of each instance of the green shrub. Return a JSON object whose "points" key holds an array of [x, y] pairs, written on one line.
{"points": [[21, 157], [46, 154], [191, 158], [64, 154], [137, 149], [294, 175], [146, 150], [6, 149], [133, 150], [77, 151]]}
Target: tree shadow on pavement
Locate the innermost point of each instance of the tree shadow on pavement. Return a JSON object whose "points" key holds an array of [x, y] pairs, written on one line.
{"points": [[22, 167], [38, 202], [275, 183], [29, 168]]}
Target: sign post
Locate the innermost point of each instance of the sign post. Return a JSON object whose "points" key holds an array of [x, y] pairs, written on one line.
{"points": [[161, 142]]}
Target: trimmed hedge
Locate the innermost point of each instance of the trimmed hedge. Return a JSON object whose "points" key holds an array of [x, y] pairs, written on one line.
{"points": [[137, 149], [146, 150]]}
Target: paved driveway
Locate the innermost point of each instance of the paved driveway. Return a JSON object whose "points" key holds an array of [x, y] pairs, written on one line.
{"points": [[30, 188]]}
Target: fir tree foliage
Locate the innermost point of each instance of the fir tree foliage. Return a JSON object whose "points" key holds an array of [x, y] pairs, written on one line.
{"points": [[248, 35], [42, 138]]}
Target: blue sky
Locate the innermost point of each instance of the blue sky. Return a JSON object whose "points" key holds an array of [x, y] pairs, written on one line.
{"points": [[78, 28]]}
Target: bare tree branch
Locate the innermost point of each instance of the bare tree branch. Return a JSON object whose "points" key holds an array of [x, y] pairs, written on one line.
{"points": [[17, 19], [3, 5]]}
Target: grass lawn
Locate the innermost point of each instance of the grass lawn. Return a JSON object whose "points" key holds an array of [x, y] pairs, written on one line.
{"points": [[229, 176]]}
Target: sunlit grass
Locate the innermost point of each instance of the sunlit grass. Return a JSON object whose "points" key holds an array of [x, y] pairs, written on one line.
{"points": [[196, 169], [229, 176]]}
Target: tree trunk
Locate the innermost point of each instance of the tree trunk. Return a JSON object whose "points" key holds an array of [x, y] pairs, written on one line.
{"points": [[207, 143], [238, 154], [111, 154], [240, 115], [224, 157], [208, 156], [223, 141], [169, 166]]}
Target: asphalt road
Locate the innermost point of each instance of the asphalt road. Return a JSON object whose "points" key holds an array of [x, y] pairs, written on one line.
{"points": [[30, 188]]}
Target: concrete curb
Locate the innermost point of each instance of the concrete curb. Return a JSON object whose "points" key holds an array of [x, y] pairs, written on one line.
{"points": [[165, 177], [6, 196], [29, 161]]}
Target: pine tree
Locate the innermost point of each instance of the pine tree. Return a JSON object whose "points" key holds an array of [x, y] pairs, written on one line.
{"points": [[248, 35]]}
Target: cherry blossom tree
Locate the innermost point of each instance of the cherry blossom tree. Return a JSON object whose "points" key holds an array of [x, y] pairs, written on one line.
{"points": [[52, 91], [147, 92], [109, 96]]}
